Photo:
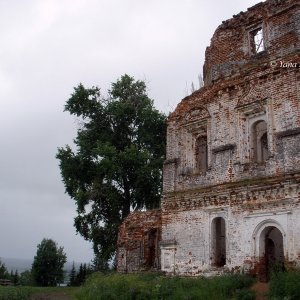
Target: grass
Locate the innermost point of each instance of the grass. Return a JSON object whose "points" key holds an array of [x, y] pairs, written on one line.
{"points": [[14, 293], [285, 285], [143, 286], [25, 292], [148, 286], [154, 286]]}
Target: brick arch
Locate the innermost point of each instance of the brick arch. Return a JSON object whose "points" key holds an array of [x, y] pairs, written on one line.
{"points": [[196, 113]]}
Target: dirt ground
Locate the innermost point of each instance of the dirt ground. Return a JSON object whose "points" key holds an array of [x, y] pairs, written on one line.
{"points": [[261, 289], [52, 296]]}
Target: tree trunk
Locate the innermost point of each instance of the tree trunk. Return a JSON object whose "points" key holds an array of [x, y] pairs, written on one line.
{"points": [[126, 203]]}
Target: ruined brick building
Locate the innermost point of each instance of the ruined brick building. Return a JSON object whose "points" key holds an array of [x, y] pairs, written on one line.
{"points": [[231, 187]]}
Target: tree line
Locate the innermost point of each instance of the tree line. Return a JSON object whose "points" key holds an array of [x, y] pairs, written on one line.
{"points": [[12, 276], [47, 268], [77, 278]]}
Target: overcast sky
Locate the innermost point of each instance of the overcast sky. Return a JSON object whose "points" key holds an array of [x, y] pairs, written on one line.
{"points": [[46, 48]]}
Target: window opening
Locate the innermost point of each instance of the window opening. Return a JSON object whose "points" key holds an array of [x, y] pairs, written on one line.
{"points": [[218, 242], [151, 249], [260, 142], [201, 154], [257, 40]]}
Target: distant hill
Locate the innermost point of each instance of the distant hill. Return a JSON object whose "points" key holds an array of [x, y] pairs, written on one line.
{"points": [[22, 265]]}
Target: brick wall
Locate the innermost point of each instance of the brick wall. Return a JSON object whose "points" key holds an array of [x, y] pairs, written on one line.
{"points": [[253, 197], [138, 242], [225, 215]]}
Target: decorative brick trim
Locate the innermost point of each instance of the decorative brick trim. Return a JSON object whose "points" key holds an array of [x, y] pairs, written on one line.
{"points": [[166, 243], [288, 132], [171, 161], [224, 148]]}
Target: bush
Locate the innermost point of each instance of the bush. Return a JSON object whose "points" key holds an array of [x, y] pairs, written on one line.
{"points": [[155, 286], [285, 285]]}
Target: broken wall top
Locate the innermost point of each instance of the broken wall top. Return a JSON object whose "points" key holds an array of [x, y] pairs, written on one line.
{"points": [[231, 48], [231, 60]]}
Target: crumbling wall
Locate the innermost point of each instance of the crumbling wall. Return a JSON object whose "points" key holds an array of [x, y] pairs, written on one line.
{"points": [[231, 53], [227, 110], [138, 242]]}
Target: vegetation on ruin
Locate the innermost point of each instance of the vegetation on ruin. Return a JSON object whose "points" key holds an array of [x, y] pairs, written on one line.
{"points": [[117, 164]]}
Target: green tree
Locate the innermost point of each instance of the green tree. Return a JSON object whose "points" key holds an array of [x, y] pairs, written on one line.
{"points": [[26, 278], [47, 267], [16, 278], [3, 271], [73, 275], [117, 164], [80, 276]]}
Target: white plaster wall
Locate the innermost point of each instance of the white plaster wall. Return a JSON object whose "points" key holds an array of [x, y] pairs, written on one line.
{"points": [[192, 232]]}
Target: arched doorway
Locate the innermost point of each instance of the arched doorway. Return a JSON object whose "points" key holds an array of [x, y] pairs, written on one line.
{"points": [[271, 252], [218, 242]]}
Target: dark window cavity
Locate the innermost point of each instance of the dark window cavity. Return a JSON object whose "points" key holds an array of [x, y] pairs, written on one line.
{"points": [[201, 154]]}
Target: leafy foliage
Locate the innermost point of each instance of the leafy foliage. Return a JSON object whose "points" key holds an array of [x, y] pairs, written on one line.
{"points": [[47, 267], [26, 278], [117, 165]]}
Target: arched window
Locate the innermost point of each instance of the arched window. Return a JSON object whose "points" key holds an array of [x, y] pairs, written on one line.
{"points": [[260, 141], [218, 242], [201, 154]]}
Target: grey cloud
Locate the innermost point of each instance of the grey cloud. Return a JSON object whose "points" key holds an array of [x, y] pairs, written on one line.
{"points": [[49, 46]]}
